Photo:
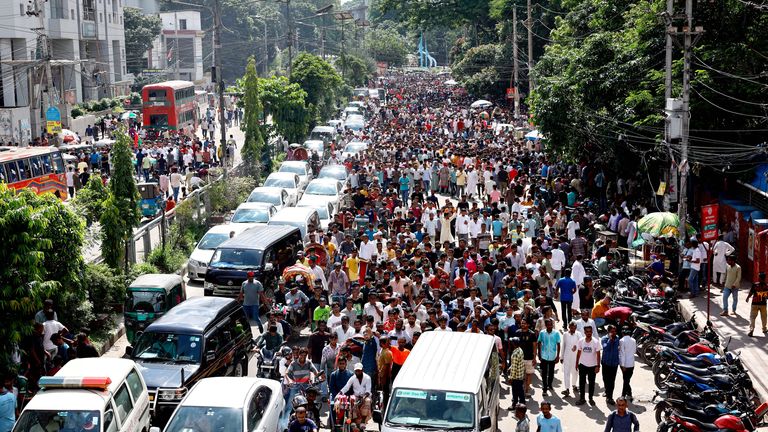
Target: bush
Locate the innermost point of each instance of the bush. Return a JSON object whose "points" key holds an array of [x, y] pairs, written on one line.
{"points": [[106, 288], [89, 201], [76, 112], [138, 270], [135, 99], [227, 195], [167, 259]]}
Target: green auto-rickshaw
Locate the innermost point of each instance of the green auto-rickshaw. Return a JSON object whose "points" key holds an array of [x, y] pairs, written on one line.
{"points": [[148, 298]]}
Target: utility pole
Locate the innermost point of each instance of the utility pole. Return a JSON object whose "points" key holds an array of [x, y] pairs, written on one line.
{"points": [[668, 61], [530, 49], [289, 20], [515, 63], [176, 45], [38, 10], [220, 79], [687, 46]]}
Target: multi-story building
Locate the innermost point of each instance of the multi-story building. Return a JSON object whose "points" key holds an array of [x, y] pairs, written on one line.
{"points": [[87, 50], [179, 48]]}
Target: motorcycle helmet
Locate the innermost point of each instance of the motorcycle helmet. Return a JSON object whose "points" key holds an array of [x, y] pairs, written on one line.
{"points": [[286, 351], [656, 280], [299, 400], [669, 292]]}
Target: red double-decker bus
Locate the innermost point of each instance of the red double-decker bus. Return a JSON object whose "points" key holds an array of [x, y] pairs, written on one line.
{"points": [[38, 168], [169, 106]]}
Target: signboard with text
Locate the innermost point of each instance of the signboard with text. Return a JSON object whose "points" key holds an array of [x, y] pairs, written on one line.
{"points": [[53, 120], [709, 222]]}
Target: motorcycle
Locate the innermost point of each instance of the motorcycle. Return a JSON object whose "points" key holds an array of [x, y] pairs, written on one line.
{"points": [[746, 422]]}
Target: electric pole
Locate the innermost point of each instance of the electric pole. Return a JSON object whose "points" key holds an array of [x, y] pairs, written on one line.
{"points": [[668, 61], [289, 20], [38, 10], [687, 46], [515, 63], [176, 45], [530, 49], [220, 79]]}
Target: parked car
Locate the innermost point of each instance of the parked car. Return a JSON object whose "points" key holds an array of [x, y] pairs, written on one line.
{"points": [[100, 394], [276, 196], [197, 265], [289, 181], [326, 209], [299, 167], [199, 338], [231, 404], [336, 172], [305, 219], [352, 149], [253, 214]]}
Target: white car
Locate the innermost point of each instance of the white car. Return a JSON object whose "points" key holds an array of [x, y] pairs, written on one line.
{"points": [[197, 265], [316, 146], [352, 149], [327, 189], [352, 110], [301, 168], [234, 404], [354, 122], [253, 213], [288, 181], [326, 208], [276, 196]]}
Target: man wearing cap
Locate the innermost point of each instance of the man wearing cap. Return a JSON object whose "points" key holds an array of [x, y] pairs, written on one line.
{"points": [[295, 300], [251, 292], [317, 271], [360, 385]]}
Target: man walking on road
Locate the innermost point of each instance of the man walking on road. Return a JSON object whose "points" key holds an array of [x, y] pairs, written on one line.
{"points": [[588, 359], [566, 287], [732, 284], [627, 350], [622, 420], [568, 358], [517, 373], [759, 295], [251, 293], [610, 362], [549, 354], [547, 421]]}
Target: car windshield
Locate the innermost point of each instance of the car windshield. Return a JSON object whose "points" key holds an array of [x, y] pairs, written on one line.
{"points": [[211, 241], [280, 182], [155, 346], [250, 216], [55, 421], [236, 259], [333, 173], [431, 409], [296, 169], [205, 419], [314, 146], [265, 197], [138, 300], [317, 188], [354, 147]]}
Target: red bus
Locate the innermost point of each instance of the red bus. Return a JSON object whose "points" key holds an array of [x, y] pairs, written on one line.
{"points": [[38, 168], [169, 106]]}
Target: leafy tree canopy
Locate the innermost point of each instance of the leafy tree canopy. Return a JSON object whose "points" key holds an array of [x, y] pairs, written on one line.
{"points": [[140, 31]]}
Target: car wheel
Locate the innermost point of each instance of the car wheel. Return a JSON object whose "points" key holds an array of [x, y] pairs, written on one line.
{"points": [[239, 370]]}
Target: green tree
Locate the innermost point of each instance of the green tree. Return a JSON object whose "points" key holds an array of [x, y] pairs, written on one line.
{"points": [[479, 70], [284, 101], [90, 200], [320, 81], [355, 70], [253, 147], [140, 31], [387, 45], [35, 229], [121, 209]]}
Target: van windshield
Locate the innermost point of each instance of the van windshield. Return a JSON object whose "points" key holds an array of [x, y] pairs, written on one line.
{"points": [[236, 259], [431, 409], [194, 418], [168, 347], [54, 421]]}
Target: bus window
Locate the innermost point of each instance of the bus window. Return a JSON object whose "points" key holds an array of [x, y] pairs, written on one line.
{"points": [[24, 172], [156, 94], [58, 163], [36, 166], [158, 120], [3, 175], [11, 172], [46, 164]]}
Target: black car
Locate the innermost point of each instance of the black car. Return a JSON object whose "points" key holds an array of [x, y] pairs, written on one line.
{"points": [[199, 338]]}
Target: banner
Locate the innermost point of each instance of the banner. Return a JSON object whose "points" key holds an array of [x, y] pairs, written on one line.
{"points": [[709, 222], [53, 120]]}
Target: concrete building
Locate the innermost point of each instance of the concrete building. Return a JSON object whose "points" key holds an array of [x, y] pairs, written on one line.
{"points": [[87, 48], [179, 48], [149, 7]]}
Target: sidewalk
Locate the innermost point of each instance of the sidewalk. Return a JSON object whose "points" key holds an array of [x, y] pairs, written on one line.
{"points": [[752, 350]]}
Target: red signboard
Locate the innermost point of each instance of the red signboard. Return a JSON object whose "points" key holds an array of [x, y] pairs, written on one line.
{"points": [[511, 92], [709, 222]]}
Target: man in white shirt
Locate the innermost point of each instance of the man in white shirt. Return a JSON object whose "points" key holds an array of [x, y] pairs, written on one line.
{"points": [[572, 226], [578, 272], [568, 349], [374, 308], [462, 225], [367, 249], [627, 350], [585, 321], [557, 262], [360, 384]]}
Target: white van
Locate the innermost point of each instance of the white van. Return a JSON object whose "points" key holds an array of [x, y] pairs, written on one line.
{"points": [[94, 394], [324, 133], [449, 381]]}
